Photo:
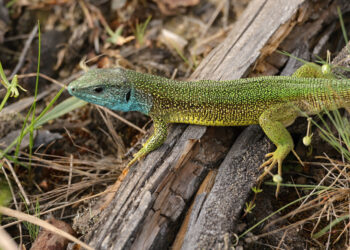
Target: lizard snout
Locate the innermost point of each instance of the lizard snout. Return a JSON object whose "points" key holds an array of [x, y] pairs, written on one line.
{"points": [[71, 89]]}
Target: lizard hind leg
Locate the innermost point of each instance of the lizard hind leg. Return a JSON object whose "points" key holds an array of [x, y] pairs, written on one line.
{"points": [[312, 70], [273, 121]]}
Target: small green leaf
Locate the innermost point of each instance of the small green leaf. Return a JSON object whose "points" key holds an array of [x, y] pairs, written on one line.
{"points": [[330, 225], [61, 109]]}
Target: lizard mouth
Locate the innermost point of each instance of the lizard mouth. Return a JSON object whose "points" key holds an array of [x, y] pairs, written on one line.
{"points": [[80, 93]]}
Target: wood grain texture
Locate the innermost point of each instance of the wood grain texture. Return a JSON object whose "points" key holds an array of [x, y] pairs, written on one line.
{"points": [[216, 213], [150, 205], [258, 28]]}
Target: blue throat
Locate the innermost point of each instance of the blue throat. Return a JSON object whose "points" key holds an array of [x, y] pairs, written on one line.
{"points": [[133, 105]]}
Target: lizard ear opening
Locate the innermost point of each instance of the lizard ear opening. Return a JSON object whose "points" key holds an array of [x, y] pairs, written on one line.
{"points": [[127, 96]]}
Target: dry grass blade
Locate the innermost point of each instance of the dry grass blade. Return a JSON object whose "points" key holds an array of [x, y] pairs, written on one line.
{"points": [[84, 177], [9, 165], [14, 201], [123, 120], [59, 166], [117, 140], [212, 19], [57, 83], [34, 220], [329, 206], [57, 195], [58, 208], [25, 50]]}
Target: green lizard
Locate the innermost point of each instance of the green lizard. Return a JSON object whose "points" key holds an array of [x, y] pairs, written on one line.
{"points": [[273, 102]]}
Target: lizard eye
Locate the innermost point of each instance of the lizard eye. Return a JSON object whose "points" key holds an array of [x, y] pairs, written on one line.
{"points": [[127, 96], [98, 90]]}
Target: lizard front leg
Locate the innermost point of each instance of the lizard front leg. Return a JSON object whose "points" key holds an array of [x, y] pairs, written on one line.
{"points": [[156, 139], [274, 121]]}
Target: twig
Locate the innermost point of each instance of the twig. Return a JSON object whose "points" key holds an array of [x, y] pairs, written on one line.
{"points": [[43, 76], [62, 84], [25, 50], [116, 138], [213, 17], [124, 120], [69, 182], [34, 220], [58, 208], [80, 147], [15, 38], [86, 13]]}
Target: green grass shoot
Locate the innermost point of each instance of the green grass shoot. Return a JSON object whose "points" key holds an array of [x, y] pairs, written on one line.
{"points": [[278, 211], [5, 195], [340, 142], [11, 88], [342, 25], [10, 3], [114, 36], [329, 227], [33, 230], [45, 116], [140, 31]]}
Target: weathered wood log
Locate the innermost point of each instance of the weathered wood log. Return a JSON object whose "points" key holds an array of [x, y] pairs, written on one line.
{"points": [[218, 209], [149, 207]]}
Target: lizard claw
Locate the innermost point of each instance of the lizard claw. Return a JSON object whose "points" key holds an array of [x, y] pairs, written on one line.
{"points": [[138, 156], [269, 154], [269, 164], [130, 163]]}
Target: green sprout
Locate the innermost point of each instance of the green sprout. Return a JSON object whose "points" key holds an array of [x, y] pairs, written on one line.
{"points": [[140, 31], [12, 90]]}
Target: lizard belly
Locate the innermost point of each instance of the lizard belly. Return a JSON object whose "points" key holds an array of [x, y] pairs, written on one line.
{"points": [[221, 115]]}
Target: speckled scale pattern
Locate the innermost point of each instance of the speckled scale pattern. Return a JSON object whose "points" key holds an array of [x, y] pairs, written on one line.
{"points": [[238, 102]]}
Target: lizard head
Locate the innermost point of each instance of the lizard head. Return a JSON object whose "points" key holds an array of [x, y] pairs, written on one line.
{"points": [[110, 88]]}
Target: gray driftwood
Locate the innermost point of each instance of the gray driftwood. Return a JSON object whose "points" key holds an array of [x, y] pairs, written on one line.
{"points": [[148, 210]]}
